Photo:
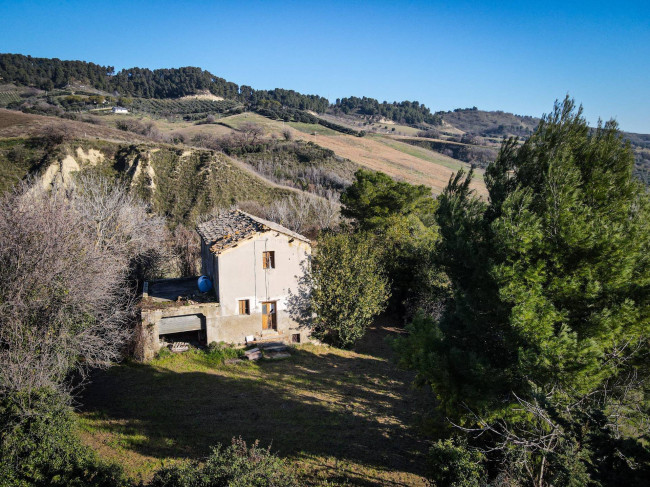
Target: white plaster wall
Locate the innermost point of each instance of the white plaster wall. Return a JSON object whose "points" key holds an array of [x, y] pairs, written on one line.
{"points": [[241, 275]]}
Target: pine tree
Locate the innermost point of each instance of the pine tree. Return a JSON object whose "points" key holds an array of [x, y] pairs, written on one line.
{"points": [[550, 316]]}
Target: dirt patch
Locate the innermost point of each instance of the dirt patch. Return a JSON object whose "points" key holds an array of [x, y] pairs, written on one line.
{"points": [[92, 157], [60, 172], [202, 95]]}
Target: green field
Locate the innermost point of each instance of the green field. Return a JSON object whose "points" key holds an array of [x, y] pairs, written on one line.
{"points": [[336, 415], [7, 97], [310, 128], [269, 126]]}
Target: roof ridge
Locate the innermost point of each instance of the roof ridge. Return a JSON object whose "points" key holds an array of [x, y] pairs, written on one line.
{"points": [[232, 226], [274, 226]]}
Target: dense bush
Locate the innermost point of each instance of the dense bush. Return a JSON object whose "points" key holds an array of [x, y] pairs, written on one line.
{"points": [[400, 217], [303, 165], [39, 446], [451, 464], [349, 287], [235, 466], [148, 129]]}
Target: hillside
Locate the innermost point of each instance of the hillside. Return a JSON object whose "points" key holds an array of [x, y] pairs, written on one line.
{"points": [[490, 124], [180, 182], [192, 107], [378, 153]]}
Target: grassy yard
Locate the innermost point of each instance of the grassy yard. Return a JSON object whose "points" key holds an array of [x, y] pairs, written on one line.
{"points": [[349, 417]]}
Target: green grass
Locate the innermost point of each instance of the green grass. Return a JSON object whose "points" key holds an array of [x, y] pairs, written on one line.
{"points": [[18, 156], [310, 128], [236, 122], [336, 415]]}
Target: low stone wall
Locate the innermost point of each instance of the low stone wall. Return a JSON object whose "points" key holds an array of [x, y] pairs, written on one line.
{"points": [[235, 329]]}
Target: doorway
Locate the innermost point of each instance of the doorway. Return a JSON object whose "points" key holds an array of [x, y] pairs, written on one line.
{"points": [[269, 316]]}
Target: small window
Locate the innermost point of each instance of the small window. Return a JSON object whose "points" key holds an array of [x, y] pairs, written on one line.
{"points": [[268, 260], [295, 338], [244, 307]]}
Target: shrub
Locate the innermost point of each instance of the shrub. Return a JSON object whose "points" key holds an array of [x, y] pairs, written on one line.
{"points": [[349, 288], [235, 466], [217, 353], [452, 464], [38, 446]]}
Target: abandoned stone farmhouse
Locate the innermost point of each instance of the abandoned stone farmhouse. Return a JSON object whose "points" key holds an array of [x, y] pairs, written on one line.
{"points": [[257, 269]]}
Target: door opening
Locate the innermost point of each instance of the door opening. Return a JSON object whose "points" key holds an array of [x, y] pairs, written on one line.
{"points": [[269, 316]]}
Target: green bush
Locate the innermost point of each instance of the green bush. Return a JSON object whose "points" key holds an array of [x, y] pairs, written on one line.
{"points": [[217, 353], [452, 464], [38, 446], [349, 288], [235, 466]]}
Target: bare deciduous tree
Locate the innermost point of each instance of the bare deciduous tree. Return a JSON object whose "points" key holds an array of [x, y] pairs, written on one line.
{"points": [[251, 132], [65, 265], [187, 252]]}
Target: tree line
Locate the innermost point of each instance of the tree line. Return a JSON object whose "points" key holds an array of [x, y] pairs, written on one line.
{"points": [[408, 112], [48, 74]]}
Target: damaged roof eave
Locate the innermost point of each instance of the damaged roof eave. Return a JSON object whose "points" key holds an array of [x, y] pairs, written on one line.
{"points": [[231, 228]]}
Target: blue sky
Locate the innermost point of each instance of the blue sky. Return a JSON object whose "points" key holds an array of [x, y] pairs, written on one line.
{"points": [[512, 56]]}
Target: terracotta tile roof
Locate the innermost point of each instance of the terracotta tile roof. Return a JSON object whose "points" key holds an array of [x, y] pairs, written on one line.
{"points": [[231, 227]]}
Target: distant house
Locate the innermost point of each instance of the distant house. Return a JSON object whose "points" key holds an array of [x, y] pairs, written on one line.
{"points": [[120, 110], [257, 269]]}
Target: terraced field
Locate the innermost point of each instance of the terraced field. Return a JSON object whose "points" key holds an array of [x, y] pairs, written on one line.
{"points": [[7, 97]]}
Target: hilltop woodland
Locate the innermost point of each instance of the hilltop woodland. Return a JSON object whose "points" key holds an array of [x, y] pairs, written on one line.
{"points": [[526, 308]]}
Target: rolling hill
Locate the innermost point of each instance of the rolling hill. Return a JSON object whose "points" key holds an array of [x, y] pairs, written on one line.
{"points": [[304, 143]]}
